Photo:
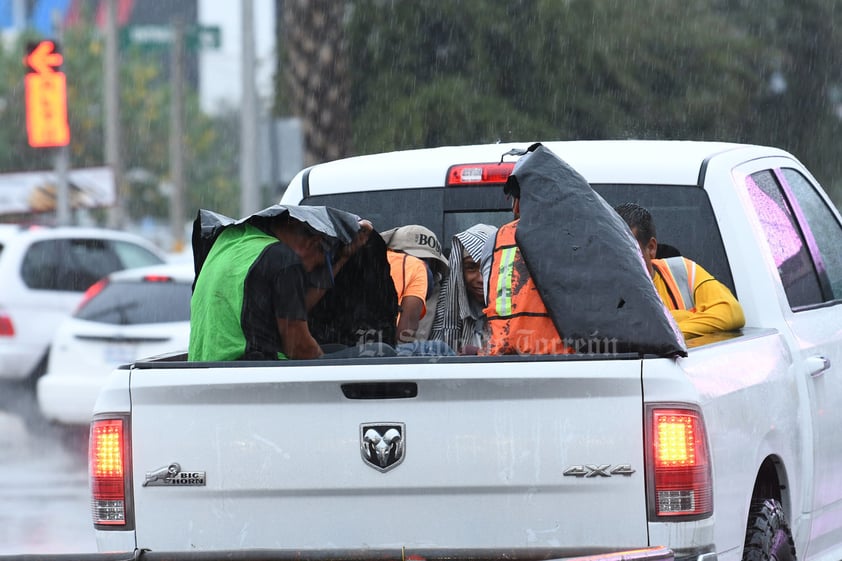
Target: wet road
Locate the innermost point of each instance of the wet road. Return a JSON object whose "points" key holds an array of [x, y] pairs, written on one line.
{"points": [[44, 504]]}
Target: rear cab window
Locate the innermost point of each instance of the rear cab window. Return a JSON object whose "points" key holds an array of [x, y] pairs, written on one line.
{"points": [[683, 214], [139, 302]]}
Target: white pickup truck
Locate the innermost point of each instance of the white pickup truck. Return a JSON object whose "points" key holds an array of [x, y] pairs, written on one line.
{"points": [[731, 452]]}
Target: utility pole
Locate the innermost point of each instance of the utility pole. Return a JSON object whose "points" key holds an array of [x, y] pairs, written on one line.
{"points": [[62, 155], [249, 195], [112, 114], [62, 168], [19, 14], [177, 138]]}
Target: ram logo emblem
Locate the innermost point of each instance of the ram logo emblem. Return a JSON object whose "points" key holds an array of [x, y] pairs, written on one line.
{"points": [[382, 444]]}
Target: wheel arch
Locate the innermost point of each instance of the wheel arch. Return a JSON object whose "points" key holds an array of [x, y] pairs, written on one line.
{"points": [[772, 482]]}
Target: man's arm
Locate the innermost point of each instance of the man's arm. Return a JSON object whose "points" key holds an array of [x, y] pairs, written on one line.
{"points": [[296, 339], [412, 307], [716, 308], [412, 297]]}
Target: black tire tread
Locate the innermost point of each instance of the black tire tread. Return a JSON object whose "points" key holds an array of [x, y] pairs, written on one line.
{"points": [[768, 536]]}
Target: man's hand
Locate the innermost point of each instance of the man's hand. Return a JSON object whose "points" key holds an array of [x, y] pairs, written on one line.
{"points": [[296, 340], [469, 350], [359, 240], [348, 250]]}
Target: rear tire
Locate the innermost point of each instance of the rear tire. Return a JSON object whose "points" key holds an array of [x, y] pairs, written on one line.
{"points": [[768, 536], [39, 370]]}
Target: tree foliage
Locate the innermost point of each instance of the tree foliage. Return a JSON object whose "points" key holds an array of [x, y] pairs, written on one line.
{"points": [[428, 72], [575, 69], [803, 112]]}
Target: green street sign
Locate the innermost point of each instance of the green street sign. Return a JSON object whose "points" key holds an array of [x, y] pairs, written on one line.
{"points": [[203, 37], [154, 37], [147, 36]]}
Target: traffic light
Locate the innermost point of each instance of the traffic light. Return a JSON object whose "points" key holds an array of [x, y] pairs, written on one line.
{"points": [[46, 96]]}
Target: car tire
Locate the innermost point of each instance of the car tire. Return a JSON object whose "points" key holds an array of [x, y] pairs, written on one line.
{"points": [[39, 370], [768, 536]]}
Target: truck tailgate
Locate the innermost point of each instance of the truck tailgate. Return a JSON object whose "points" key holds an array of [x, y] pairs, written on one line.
{"points": [[390, 454]]}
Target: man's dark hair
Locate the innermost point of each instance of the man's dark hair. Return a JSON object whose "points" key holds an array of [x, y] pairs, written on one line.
{"points": [[638, 218], [512, 187]]}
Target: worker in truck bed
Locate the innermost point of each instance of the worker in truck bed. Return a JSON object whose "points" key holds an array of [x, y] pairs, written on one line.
{"points": [[698, 302], [459, 318], [258, 283], [417, 267], [518, 319]]}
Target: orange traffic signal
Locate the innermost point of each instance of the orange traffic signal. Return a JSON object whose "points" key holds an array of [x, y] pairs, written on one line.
{"points": [[46, 97]]}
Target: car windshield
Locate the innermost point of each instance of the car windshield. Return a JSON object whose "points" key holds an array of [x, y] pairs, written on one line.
{"points": [[139, 302]]}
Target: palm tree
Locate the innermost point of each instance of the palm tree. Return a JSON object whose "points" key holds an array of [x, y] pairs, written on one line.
{"points": [[315, 75]]}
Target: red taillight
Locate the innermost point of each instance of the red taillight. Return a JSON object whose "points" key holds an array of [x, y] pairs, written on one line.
{"points": [[107, 463], [680, 464], [92, 291], [479, 174], [7, 328], [157, 278]]}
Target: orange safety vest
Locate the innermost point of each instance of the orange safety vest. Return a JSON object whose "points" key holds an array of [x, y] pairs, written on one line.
{"points": [[517, 317], [679, 276]]}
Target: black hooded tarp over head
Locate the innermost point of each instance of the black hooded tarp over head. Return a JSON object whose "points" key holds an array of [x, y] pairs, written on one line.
{"points": [[586, 264], [338, 225]]}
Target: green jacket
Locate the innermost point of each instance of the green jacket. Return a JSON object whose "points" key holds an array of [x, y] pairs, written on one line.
{"points": [[216, 308]]}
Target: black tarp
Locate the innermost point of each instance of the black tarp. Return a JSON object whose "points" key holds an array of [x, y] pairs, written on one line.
{"points": [[586, 264], [362, 306], [338, 225]]}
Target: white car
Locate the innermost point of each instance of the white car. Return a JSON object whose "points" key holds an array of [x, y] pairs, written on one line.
{"points": [[128, 315], [43, 273]]}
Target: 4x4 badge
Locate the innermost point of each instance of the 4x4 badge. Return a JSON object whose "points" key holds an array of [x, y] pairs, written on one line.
{"points": [[382, 444], [602, 470]]}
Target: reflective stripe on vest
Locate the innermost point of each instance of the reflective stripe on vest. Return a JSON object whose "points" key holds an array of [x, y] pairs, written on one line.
{"points": [[503, 301], [679, 275]]}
